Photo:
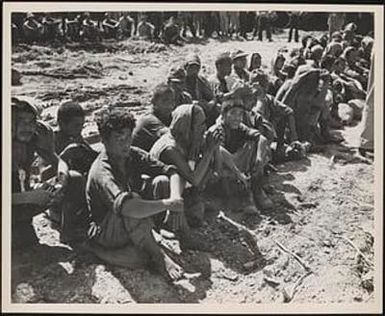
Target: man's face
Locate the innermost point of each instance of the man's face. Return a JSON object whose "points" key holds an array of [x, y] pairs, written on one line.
{"points": [[240, 62], [164, 105], [73, 127], [25, 126], [233, 118], [192, 70], [119, 142]]}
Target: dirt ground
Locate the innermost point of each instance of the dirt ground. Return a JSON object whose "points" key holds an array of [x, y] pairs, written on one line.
{"points": [[307, 247]]}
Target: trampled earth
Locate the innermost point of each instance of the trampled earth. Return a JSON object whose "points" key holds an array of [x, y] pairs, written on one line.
{"points": [[307, 247]]}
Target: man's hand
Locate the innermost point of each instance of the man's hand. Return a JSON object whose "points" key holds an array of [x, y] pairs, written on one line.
{"points": [[213, 138]]}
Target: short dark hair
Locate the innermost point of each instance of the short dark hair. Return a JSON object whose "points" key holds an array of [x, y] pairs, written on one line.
{"points": [[111, 119], [69, 110], [160, 90]]}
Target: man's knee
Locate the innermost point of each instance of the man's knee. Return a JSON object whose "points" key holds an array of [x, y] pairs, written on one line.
{"points": [[161, 187]]}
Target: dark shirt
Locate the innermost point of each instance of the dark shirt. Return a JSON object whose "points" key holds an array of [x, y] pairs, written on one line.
{"points": [[147, 131], [62, 140], [199, 89], [236, 138], [242, 74], [218, 86], [107, 187]]}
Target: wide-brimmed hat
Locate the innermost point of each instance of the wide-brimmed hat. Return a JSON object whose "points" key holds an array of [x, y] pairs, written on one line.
{"points": [[238, 54]]}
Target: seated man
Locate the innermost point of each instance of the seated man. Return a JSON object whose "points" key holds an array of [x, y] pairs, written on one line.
{"points": [[171, 32], [89, 29], [121, 212], [199, 88], [109, 26], [246, 145], [50, 28], [145, 29], [220, 83], [277, 113], [30, 137], [239, 58], [75, 151], [32, 28], [126, 25], [176, 79], [153, 124]]}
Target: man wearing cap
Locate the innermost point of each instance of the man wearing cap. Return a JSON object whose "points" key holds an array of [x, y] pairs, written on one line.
{"points": [[246, 147], [176, 79], [30, 137], [153, 124], [219, 82], [199, 88], [239, 65]]}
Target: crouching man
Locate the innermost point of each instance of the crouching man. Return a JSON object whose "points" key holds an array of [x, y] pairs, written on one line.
{"points": [[121, 209], [246, 147], [32, 138]]}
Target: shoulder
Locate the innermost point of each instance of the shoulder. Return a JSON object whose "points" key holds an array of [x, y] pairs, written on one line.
{"points": [[99, 168]]}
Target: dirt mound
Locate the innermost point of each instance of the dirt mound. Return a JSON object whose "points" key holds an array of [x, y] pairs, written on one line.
{"points": [[132, 47], [87, 69]]}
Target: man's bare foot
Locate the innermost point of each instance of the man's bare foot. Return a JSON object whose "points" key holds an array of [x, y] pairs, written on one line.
{"points": [[170, 269]]}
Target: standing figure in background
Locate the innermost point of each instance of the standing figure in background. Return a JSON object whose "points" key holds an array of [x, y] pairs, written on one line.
{"points": [[224, 22], [294, 22], [264, 24], [32, 28], [234, 23], [335, 22]]}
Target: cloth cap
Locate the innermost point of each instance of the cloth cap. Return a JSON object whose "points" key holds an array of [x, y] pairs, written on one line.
{"points": [[238, 54], [25, 103], [193, 60]]}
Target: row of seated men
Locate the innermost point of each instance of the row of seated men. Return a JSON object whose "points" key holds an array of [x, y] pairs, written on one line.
{"points": [[153, 170]]}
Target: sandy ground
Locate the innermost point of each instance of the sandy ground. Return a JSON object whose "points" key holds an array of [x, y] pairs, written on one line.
{"points": [[324, 203]]}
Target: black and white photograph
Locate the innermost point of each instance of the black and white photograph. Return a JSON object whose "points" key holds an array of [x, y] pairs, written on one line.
{"points": [[218, 155]]}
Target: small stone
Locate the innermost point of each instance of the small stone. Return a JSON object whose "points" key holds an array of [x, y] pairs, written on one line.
{"points": [[130, 73]]}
